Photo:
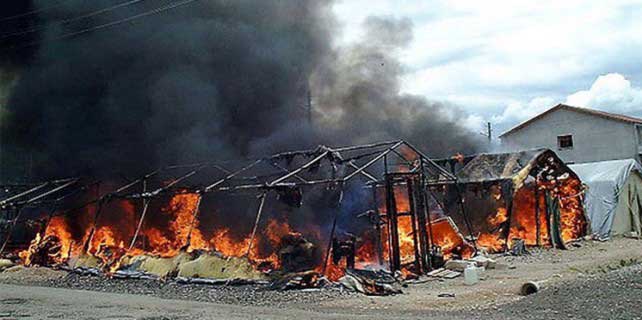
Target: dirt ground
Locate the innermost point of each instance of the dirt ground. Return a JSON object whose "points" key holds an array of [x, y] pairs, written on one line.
{"points": [[597, 280]]}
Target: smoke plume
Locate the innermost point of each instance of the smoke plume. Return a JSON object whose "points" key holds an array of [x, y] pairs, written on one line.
{"points": [[208, 80]]}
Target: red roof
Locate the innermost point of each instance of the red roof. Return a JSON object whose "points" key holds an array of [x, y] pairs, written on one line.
{"points": [[603, 114]]}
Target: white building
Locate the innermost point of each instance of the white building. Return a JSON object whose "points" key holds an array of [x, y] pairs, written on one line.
{"points": [[578, 135]]}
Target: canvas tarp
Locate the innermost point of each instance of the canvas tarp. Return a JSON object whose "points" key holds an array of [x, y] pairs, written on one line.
{"points": [[500, 166], [614, 196]]}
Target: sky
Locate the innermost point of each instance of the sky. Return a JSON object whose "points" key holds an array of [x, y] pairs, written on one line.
{"points": [[506, 61]]}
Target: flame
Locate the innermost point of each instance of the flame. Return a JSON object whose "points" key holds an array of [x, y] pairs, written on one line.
{"points": [[500, 217], [57, 229], [185, 225], [276, 230], [491, 242], [572, 219], [523, 222], [333, 272], [223, 242], [176, 229], [27, 255], [446, 236], [366, 255], [406, 243]]}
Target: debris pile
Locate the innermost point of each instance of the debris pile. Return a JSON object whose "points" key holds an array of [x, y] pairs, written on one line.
{"points": [[372, 283]]}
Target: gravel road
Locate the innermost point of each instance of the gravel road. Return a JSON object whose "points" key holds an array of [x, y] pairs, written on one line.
{"points": [[593, 281], [612, 295]]}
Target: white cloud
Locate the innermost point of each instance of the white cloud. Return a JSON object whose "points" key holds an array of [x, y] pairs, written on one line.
{"points": [[507, 61], [517, 112], [610, 92]]}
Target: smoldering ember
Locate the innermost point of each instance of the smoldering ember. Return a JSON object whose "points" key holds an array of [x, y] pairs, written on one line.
{"points": [[201, 159]]}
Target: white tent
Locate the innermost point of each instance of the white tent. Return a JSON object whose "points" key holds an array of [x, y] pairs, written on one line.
{"points": [[613, 200]]}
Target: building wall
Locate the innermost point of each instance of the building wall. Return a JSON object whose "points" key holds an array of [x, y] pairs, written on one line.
{"points": [[594, 138]]}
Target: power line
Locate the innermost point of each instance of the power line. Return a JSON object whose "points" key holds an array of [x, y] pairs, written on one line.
{"points": [[114, 23], [32, 12], [70, 20]]}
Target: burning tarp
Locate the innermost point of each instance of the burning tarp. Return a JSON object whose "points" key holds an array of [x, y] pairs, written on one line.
{"points": [[528, 195]]}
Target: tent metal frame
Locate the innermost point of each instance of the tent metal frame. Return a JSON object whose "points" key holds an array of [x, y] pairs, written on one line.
{"points": [[345, 163]]}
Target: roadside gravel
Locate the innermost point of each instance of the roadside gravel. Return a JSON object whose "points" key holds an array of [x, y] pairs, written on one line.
{"points": [[591, 281], [602, 295], [245, 295]]}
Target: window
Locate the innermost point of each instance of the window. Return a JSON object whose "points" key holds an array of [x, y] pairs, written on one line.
{"points": [[565, 142]]}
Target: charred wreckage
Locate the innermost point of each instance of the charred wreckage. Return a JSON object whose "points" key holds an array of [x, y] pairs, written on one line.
{"points": [[368, 214]]}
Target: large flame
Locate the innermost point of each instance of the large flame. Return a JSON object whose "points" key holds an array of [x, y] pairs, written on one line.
{"points": [[179, 229], [110, 239], [524, 222]]}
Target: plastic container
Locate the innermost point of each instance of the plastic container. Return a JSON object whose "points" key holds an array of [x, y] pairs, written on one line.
{"points": [[471, 275]]}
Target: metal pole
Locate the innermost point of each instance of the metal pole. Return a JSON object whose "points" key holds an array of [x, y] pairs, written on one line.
{"points": [[537, 217], [309, 107], [445, 172], [22, 194], [508, 221], [377, 226], [422, 210], [256, 222], [388, 222], [431, 237], [175, 181], [332, 232], [99, 208], [192, 224], [305, 166], [10, 230], [490, 134], [377, 158], [365, 173], [395, 261], [365, 146], [462, 208], [23, 204], [329, 247], [413, 220], [231, 175], [142, 216]]}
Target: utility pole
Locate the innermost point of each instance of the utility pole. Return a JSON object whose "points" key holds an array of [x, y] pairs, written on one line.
{"points": [[488, 134], [309, 107]]}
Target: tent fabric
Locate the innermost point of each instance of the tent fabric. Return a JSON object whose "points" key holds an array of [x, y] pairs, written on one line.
{"points": [[498, 166], [613, 198]]}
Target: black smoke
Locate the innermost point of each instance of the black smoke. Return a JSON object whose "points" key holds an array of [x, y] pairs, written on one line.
{"points": [[208, 80], [358, 99]]}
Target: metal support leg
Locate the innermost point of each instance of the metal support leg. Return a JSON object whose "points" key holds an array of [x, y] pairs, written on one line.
{"points": [[395, 259], [537, 218], [256, 222], [415, 228]]}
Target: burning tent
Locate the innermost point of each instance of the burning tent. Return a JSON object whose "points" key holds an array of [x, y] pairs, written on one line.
{"points": [[530, 196], [297, 212]]}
